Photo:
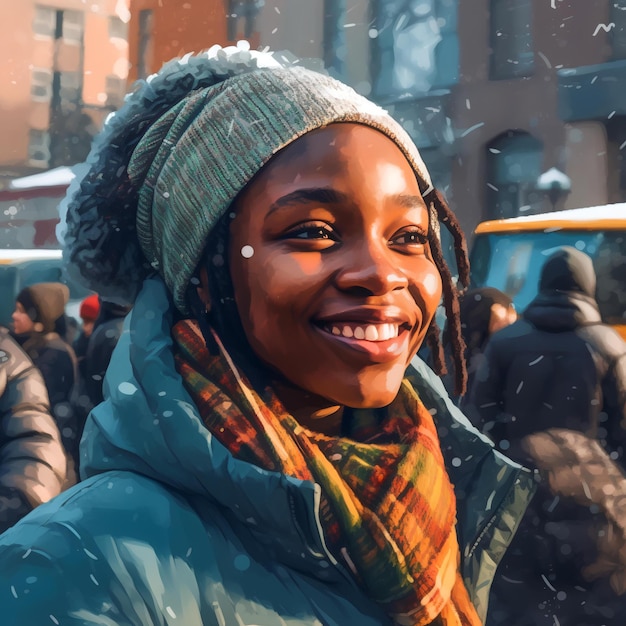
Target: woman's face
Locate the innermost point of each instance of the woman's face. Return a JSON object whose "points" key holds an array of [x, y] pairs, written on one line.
{"points": [[331, 267], [21, 321]]}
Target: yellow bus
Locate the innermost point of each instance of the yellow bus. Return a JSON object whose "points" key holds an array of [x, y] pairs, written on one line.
{"points": [[508, 254]]}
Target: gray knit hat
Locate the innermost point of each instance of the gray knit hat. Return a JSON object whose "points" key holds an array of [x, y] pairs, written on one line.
{"points": [[179, 170]]}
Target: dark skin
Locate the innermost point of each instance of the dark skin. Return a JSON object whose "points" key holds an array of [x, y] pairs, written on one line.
{"points": [[333, 277]]}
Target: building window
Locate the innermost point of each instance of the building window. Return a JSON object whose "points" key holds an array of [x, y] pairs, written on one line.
{"points": [[70, 87], [405, 36], [511, 39], [41, 85], [514, 163], [38, 148], [45, 21], [72, 28], [118, 29], [144, 52], [618, 33], [246, 10]]}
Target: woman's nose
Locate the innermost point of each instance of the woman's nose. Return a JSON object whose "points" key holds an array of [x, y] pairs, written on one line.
{"points": [[370, 267]]}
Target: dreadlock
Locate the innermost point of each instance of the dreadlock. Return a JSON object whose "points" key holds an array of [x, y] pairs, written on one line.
{"points": [[450, 295]]}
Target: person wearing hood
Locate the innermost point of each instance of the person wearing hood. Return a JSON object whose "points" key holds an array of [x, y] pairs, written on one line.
{"points": [[558, 369], [38, 309], [557, 366], [268, 450]]}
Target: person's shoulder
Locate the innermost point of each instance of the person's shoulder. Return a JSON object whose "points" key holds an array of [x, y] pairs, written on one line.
{"points": [[114, 504], [13, 358], [603, 339], [519, 329], [107, 548]]}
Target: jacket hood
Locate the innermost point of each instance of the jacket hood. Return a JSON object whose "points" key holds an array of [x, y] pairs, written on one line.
{"points": [[562, 311], [148, 424], [568, 269], [567, 289]]}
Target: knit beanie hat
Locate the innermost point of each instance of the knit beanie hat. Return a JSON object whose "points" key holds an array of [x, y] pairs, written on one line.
{"points": [[568, 269], [44, 303], [89, 308], [170, 162]]}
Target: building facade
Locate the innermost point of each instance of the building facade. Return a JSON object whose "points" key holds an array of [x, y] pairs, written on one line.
{"points": [[540, 87], [65, 68], [494, 92]]}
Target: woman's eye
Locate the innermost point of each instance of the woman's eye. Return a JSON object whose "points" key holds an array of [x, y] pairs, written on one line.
{"points": [[410, 238], [313, 232]]}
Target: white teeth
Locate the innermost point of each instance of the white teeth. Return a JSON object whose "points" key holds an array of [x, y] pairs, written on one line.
{"points": [[371, 332], [359, 333]]}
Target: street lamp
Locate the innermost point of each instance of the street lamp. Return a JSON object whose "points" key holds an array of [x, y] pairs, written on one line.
{"points": [[555, 184]]}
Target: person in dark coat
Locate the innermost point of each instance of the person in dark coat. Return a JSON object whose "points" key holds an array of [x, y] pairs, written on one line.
{"points": [[93, 365], [32, 459], [558, 368], [38, 310], [104, 338]]}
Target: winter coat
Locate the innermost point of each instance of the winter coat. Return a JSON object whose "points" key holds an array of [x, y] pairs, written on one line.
{"points": [[56, 361], [558, 367], [170, 528], [32, 459]]}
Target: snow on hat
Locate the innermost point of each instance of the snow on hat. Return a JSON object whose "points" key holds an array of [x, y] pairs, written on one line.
{"points": [[44, 303], [168, 165]]}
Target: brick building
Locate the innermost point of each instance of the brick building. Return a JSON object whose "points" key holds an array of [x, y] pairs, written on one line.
{"points": [[65, 65]]}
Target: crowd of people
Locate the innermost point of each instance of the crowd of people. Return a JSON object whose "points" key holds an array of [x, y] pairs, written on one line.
{"points": [[261, 444], [72, 374]]}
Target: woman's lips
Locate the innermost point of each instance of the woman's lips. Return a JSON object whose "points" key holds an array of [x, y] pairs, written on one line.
{"points": [[380, 342]]}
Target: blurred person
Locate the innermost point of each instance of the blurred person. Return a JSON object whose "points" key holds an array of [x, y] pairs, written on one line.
{"points": [[483, 312], [557, 367], [37, 318], [88, 313], [105, 334], [268, 448], [32, 459]]}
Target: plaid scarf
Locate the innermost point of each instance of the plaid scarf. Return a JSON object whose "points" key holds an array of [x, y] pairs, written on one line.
{"points": [[388, 509]]}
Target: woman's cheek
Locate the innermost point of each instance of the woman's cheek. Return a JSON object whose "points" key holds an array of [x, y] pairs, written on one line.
{"points": [[430, 288]]}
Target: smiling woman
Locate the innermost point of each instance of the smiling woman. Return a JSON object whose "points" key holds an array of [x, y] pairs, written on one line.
{"points": [[269, 449]]}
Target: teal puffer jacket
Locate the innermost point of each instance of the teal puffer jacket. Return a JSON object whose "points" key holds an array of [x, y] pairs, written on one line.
{"points": [[169, 528]]}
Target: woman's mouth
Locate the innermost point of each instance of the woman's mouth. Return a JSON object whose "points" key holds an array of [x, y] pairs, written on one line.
{"points": [[369, 332], [380, 342]]}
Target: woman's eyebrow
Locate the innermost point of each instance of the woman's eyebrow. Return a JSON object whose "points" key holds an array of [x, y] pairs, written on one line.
{"points": [[326, 195], [408, 201], [318, 195]]}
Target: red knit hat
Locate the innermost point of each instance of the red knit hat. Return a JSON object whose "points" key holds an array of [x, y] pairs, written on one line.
{"points": [[89, 308]]}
